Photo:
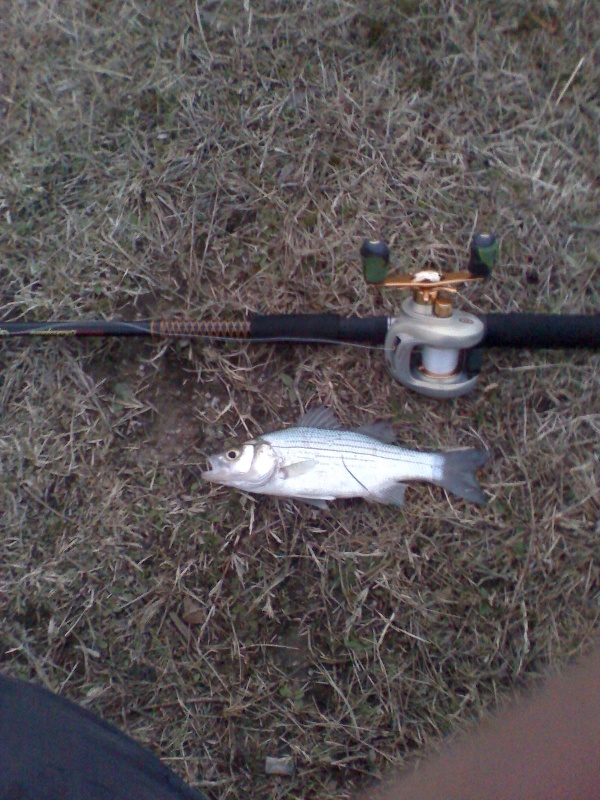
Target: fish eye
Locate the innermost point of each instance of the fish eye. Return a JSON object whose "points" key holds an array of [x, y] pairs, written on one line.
{"points": [[232, 454]]}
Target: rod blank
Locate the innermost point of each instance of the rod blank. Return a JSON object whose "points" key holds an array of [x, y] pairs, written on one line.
{"points": [[518, 330]]}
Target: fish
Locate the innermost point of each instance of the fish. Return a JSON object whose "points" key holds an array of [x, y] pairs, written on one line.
{"points": [[317, 461]]}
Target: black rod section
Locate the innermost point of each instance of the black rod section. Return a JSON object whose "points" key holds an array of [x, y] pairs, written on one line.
{"points": [[307, 327], [547, 331]]}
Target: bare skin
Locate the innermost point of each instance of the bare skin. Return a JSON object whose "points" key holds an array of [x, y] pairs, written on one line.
{"points": [[545, 747]]}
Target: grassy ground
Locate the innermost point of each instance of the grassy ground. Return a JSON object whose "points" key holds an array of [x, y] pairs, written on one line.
{"points": [[213, 158]]}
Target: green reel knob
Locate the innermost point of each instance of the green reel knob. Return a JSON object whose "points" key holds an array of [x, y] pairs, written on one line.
{"points": [[484, 250], [375, 256]]}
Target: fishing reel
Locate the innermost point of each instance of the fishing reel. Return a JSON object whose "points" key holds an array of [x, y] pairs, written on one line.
{"points": [[431, 346]]}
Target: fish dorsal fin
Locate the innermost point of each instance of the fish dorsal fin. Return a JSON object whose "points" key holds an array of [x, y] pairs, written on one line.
{"points": [[321, 417], [382, 431]]}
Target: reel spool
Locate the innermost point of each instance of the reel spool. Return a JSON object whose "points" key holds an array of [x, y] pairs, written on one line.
{"points": [[429, 346]]}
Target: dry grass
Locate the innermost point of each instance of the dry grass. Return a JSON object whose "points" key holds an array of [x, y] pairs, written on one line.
{"points": [[180, 159]]}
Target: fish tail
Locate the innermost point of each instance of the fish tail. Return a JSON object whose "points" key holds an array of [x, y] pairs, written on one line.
{"points": [[458, 473]]}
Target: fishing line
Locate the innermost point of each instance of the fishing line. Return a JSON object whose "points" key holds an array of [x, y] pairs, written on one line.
{"points": [[349, 471], [284, 340]]}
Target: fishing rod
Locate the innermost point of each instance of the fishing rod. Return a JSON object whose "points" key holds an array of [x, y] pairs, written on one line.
{"points": [[430, 346]]}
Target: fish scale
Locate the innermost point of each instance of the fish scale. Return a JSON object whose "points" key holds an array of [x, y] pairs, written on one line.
{"points": [[331, 445]]}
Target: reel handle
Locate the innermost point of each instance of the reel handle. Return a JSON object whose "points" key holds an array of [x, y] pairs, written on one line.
{"points": [[375, 256], [483, 255]]}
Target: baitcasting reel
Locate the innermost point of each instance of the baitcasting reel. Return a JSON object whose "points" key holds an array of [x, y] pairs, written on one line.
{"points": [[429, 345]]}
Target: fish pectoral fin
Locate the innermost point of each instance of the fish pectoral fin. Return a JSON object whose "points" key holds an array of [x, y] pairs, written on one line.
{"points": [[320, 417], [382, 431], [299, 468], [392, 494]]}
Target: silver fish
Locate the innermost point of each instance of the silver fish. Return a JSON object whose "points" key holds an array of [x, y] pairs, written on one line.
{"points": [[317, 461]]}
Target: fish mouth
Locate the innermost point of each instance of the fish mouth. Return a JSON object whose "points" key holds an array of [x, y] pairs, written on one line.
{"points": [[216, 471]]}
